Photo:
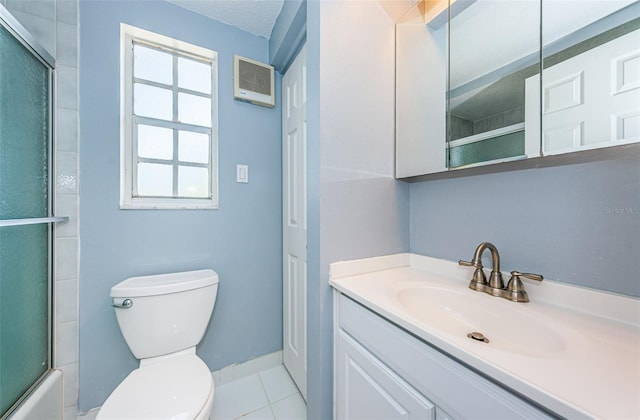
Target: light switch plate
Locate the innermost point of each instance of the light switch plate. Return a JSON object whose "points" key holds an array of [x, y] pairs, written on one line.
{"points": [[242, 174]]}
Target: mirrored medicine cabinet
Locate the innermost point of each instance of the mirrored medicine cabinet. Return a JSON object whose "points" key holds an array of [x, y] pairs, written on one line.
{"points": [[482, 82]]}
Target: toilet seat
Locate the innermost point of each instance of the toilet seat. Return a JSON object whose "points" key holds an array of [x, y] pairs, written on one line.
{"points": [[177, 388]]}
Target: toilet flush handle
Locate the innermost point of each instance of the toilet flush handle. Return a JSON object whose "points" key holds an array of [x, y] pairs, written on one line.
{"points": [[126, 304]]}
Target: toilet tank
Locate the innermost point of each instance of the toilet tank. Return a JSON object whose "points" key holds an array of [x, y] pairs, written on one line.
{"points": [[167, 312]]}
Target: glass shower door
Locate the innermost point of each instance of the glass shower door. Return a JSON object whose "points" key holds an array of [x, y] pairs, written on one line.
{"points": [[25, 206]]}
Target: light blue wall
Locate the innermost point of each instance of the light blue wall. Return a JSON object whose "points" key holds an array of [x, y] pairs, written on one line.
{"points": [[356, 208], [241, 240], [288, 34], [578, 223]]}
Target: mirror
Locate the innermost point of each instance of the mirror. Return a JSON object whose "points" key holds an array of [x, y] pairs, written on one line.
{"points": [[591, 75], [494, 60], [590, 95], [470, 91]]}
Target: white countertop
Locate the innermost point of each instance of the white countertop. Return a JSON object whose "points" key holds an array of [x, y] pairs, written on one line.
{"points": [[584, 362]]}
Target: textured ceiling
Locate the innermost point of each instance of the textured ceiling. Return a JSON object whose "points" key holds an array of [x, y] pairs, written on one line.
{"points": [[254, 16]]}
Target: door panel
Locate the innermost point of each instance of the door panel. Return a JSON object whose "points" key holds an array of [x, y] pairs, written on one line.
{"points": [[294, 118]]}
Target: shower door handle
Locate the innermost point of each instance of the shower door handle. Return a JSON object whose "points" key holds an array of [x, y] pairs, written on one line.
{"points": [[126, 304], [33, 221]]}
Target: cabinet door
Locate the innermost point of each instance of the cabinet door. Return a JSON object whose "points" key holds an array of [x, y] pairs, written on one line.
{"points": [[367, 389], [421, 92], [448, 384], [443, 415]]}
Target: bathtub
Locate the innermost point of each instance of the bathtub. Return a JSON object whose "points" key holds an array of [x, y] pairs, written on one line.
{"points": [[45, 402]]}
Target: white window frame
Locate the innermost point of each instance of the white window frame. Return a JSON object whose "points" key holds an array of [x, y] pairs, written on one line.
{"points": [[128, 156]]}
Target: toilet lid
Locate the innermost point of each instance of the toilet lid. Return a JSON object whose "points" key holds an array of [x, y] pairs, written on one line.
{"points": [[176, 388]]}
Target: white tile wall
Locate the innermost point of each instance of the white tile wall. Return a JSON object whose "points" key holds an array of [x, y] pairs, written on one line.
{"points": [[67, 11], [66, 347], [67, 92], [66, 303], [67, 199], [67, 205], [66, 173], [54, 23], [70, 372], [66, 258], [67, 130], [42, 8], [66, 45]]}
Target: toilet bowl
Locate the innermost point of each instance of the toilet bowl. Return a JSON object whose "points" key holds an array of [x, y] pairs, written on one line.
{"points": [[162, 318]]}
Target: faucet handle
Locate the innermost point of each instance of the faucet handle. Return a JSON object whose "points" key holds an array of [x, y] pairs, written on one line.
{"points": [[515, 288], [531, 276], [470, 263]]}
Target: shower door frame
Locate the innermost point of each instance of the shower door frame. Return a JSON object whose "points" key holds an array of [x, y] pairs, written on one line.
{"points": [[15, 28]]}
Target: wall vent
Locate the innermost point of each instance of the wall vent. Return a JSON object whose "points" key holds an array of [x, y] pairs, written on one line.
{"points": [[253, 82]]}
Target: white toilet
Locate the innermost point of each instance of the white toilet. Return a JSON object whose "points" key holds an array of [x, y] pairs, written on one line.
{"points": [[162, 318]]}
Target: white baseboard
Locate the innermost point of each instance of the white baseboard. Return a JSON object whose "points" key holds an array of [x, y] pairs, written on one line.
{"points": [[250, 367]]}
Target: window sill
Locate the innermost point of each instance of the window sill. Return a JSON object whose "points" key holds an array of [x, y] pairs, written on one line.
{"points": [[169, 204]]}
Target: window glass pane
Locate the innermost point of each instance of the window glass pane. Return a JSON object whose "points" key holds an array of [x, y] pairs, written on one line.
{"points": [[153, 102], [155, 180], [193, 147], [194, 110], [194, 75], [193, 182], [154, 65], [155, 142]]}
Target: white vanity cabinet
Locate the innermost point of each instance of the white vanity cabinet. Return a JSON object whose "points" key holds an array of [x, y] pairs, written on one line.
{"points": [[384, 372], [370, 390]]}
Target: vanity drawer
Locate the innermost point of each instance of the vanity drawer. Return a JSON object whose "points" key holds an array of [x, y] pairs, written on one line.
{"points": [[451, 386]]}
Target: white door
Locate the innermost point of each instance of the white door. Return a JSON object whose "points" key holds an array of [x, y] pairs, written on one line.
{"points": [[592, 99], [294, 210]]}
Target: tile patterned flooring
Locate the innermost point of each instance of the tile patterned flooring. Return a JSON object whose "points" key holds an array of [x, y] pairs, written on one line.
{"points": [[269, 394]]}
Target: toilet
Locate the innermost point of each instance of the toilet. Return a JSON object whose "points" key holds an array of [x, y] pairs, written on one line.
{"points": [[162, 318]]}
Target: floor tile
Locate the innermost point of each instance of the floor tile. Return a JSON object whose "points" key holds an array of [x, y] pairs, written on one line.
{"points": [[277, 383], [237, 398], [262, 414], [291, 408]]}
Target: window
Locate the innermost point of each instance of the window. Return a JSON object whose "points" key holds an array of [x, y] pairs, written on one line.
{"points": [[168, 123]]}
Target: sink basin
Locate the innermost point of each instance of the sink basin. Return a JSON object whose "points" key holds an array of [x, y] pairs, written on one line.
{"points": [[507, 325]]}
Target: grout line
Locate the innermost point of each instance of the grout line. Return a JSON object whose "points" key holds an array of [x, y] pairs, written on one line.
{"points": [[296, 391], [288, 396], [264, 389], [273, 413]]}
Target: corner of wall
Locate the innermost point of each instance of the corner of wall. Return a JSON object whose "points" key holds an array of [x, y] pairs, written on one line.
{"points": [[288, 35]]}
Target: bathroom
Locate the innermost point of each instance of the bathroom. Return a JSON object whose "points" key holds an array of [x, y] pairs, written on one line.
{"points": [[575, 220]]}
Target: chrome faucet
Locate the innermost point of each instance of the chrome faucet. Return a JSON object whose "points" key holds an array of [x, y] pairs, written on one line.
{"points": [[515, 288]]}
